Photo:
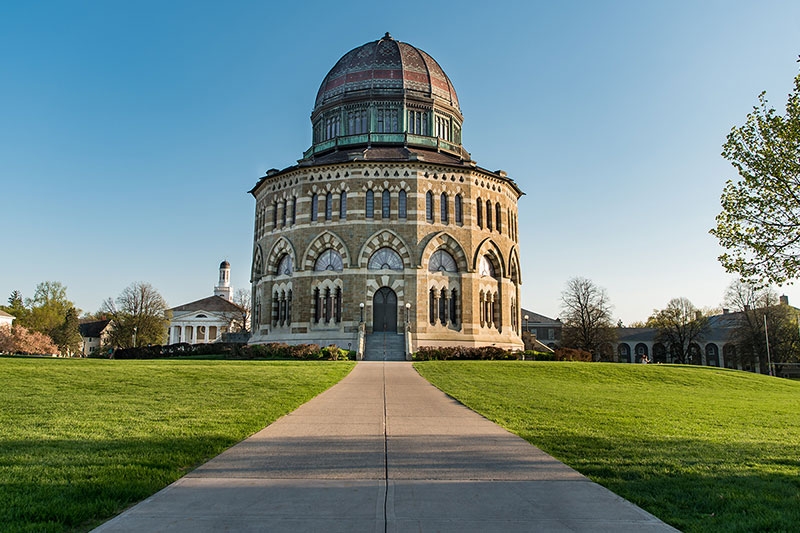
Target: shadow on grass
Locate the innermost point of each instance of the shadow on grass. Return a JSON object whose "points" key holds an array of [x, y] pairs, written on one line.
{"points": [[73, 485], [693, 484]]}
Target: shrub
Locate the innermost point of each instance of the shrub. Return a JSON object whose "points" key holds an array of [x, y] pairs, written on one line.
{"points": [[20, 340], [572, 354], [443, 353]]}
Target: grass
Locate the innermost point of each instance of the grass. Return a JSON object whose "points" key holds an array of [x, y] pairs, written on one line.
{"points": [[80, 440], [703, 449]]}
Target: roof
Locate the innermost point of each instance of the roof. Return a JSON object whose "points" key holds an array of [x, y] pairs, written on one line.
{"points": [[536, 318], [211, 304], [94, 328], [386, 66]]}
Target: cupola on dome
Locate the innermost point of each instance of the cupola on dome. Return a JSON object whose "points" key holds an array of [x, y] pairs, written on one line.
{"points": [[386, 92]]}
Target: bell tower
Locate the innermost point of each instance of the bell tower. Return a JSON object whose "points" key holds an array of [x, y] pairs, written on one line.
{"points": [[224, 288]]}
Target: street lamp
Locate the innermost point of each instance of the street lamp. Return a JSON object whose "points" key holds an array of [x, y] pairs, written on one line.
{"points": [[361, 305], [408, 312], [526, 317], [135, 329]]}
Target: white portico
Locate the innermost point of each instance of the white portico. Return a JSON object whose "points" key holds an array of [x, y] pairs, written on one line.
{"points": [[203, 321]]}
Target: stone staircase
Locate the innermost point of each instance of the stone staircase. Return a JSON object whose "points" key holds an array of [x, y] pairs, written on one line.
{"points": [[385, 347]]}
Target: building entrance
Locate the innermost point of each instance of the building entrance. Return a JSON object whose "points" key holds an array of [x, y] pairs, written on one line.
{"points": [[384, 311]]}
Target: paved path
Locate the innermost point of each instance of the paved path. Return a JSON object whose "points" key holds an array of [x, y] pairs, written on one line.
{"points": [[384, 450]]}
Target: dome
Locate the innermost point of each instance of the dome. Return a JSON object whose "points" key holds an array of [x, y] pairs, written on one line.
{"points": [[387, 67], [224, 264], [386, 93]]}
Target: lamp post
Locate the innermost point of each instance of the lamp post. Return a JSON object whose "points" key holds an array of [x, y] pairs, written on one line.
{"points": [[526, 317], [135, 330], [408, 313], [361, 305]]}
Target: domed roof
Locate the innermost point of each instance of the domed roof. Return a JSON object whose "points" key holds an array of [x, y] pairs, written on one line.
{"points": [[224, 264], [387, 67]]}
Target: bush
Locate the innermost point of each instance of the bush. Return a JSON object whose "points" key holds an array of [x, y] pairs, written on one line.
{"points": [[532, 355], [462, 353], [572, 354]]}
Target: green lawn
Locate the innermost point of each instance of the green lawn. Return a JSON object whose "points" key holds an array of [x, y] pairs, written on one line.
{"points": [[80, 440], [703, 449]]}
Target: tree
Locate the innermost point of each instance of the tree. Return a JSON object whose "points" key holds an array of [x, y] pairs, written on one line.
{"points": [[67, 336], [20, 340], [754, 306], [587, 321], [759, 223], [48, 307], [680, 326], [242, 298], [139, 316], [16, 307]]}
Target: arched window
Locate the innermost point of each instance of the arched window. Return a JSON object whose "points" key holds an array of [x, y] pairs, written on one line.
{"points": [[402, 201], [283, 212], [275, 214], [486, 268], [370, 204], [443, 208], [442, 261], [328, 206], [479, 211], [314, 207], [498, 218], [386, 204], [459, 210], [329, 260], [429, 206], [285, 267], [343, 205], [488, 215], [385, 258]]}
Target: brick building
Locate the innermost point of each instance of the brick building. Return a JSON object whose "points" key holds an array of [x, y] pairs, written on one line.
{"points": [[386, 235]]}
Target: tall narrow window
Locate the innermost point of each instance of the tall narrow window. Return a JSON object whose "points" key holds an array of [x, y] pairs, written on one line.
{"points": [[454, 306], [294, 210], [314, 207], [370, 204], [275, 214], [443, 207], [328, 206], [283, 212], [498, 218], [432, 306], [488, 215], [343, 205], [317, 306], [429, 206], [386, 203], [402, 210], [459, 209], [479, 211]]}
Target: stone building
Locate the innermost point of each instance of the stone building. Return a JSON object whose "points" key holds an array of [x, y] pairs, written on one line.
{"points": [[386, 235]]}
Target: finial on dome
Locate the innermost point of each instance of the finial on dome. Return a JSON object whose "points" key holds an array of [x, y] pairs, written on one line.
{"points": [[387, 37]]}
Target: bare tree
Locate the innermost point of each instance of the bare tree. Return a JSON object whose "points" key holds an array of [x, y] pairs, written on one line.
{"points": [[139, 316], [243, 299], [586, 315], [753, 307], [680, 326]]}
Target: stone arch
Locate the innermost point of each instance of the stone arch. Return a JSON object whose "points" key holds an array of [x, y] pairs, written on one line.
{"points": [[447, 242], [624, 351], [712, 354], [281, 247], [490, 248], [384, 239], [324, 241], [258, 263], [513, 266]]}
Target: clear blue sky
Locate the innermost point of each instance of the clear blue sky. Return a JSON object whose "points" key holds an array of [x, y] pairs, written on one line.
{"points": [[130, 132]]}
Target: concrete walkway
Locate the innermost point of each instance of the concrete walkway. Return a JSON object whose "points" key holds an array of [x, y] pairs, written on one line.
{"points": [[384, 450]]}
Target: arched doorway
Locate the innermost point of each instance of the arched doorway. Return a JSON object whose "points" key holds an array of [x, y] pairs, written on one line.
{"points": [[384, 311]]}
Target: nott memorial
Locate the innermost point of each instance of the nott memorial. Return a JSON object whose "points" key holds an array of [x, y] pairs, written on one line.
{"points": [[386, 236]]}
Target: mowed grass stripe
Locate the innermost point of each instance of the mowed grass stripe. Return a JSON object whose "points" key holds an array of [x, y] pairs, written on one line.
{"points": [[703, 449], [80, 440]]}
